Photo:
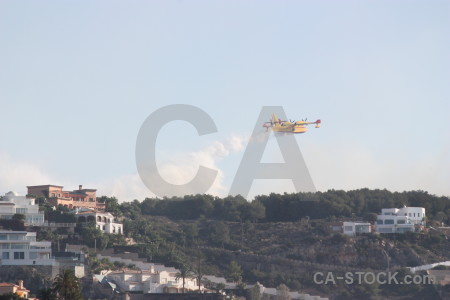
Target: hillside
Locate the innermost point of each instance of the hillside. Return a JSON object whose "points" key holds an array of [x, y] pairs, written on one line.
{"points": [[285, 239]]}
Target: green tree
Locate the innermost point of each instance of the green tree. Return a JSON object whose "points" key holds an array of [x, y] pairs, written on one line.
{"points": [[219, 287], [283, 292], [234, 272], [220, 234], [40, 200], [47, 294], [94, 237], [257, 211], [185, 272], [67, 286], [255, 292], [191, 232], [111, 205], [370, 217], [19, 217], [441, 216], [11, 296], [199, 270]]}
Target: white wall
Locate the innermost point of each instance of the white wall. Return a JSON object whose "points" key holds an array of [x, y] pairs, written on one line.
{"points": [[349, 228], [22, 205], [415, 214]]}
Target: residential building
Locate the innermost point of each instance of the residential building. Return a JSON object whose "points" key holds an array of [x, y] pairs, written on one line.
{"points": [[21, 248], [55, 194], [150, 281], [12, 204], [400, 220], [103, 220], [127, 280], [334, 226], [10, 288], [71, 260], [354, 228], [416, 215]]}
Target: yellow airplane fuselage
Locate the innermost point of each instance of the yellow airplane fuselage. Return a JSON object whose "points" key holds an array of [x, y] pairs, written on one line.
{"points": [[277, 125], [297, 127]]}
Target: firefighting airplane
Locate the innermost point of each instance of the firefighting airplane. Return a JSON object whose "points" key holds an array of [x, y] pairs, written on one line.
{"points": [[278, 125]]}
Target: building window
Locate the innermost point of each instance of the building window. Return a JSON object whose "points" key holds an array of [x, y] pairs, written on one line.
{"points": [[3, 237], [5, 255], [18, 246], [348, 228], [380, 222], [14, 237], [362, 228], [21, 210], [389, 221], [33, 255], [400, 221], [19, 255]]}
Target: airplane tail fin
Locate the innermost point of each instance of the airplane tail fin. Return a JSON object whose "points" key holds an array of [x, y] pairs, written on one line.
{"points": [[318, 122], [275, 119]]}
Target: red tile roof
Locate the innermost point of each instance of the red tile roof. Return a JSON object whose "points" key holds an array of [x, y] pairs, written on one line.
{"points": [[7, 284]]}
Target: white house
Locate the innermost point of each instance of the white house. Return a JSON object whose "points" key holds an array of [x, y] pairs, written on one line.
{"points": [[415, 214], [400, 220], [12, 204], [21, 248], [353, 228], [150, 281], [103, 220]]}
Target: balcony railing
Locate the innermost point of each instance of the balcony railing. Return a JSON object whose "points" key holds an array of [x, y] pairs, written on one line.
{"points": [[54, 224]]}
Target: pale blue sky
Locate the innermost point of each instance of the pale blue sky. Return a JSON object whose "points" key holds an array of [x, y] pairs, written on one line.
{"points": [[78, 78]]}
